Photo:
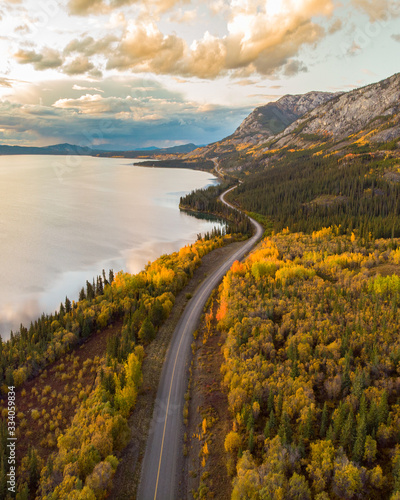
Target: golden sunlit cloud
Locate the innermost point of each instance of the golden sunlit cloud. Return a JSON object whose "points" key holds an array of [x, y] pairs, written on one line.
{"points": [[263, 42], [222, 51], [264, 37], [378, 9], [97, 7]]}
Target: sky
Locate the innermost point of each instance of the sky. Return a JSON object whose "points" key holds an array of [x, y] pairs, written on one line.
{"points": [[126, 74]]}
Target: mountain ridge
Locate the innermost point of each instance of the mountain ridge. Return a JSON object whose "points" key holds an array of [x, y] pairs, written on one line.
{"points": [[74, 149], [366, 117]]}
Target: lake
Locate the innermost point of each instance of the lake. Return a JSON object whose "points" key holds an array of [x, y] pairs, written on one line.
{"points": [[64, 219]]}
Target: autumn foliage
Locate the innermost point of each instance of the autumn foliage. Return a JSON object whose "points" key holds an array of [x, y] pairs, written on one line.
{"points": [[312, 368]]}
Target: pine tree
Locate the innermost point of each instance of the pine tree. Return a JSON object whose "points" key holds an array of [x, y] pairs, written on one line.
{"points": [[146, 332], [358, 449], [34, 469], [68, 305], [383, 409], [347, 434], [157, 313], [270, 404], [308, 428], [251, 441], [285, 429], [324, 421]]}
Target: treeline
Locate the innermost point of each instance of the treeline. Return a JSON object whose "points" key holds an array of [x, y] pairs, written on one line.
{"points": [[312, 357], [29, 350], [85, 461], [176, 163], [131, 298], [207, 201], [305, 191]]}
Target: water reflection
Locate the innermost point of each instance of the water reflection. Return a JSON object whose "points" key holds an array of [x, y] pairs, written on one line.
{"points": [[105, 214]]}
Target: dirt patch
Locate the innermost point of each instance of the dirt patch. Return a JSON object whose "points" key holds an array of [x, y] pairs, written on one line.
{"points": [[327, 200], [386, 269], [127, 477], [205, 467], [47, 404]]}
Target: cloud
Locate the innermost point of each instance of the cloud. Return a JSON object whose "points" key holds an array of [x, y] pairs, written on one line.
{"points": [[52, 59], [79, 87], [145, 48], [264, 37], [5, 82], [336, 26], [97, 7], [184, 17], [260, 39], [378, 9], [88, 46], [244, 83], [78, 66], [293, 67], [23, 29], [47, 59], [118, 114]]}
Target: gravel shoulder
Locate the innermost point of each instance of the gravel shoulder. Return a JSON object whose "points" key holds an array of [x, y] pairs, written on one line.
{"points": [[127, 477]]}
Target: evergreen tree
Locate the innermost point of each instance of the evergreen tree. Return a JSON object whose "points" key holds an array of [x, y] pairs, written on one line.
{"points": [[324, 421], [383, 409], [285, 429], [68, 305], [147, 332], [358, 449], [156, 313]]}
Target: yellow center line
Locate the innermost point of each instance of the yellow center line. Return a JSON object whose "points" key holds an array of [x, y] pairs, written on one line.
{"points": [[172, 378], [169, 396]]}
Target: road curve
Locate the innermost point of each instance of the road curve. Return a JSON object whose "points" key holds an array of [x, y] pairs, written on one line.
{"points": [[160, 475]]}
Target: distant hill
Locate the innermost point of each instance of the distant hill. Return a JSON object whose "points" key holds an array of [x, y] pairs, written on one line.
{"points": [[73, 149]]}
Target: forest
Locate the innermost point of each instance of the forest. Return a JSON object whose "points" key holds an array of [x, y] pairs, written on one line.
{"points": [[207, 201], [312, 367], [309, 189], [77, 459]]}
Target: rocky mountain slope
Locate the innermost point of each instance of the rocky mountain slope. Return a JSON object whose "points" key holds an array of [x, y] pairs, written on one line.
{"points": [[264, 122], [371, 110], [367, 117], [269, 120]]}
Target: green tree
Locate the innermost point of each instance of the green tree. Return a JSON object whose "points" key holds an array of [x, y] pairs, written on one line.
{"points": [[156, 313], [383, 409], [324, 421], [147, 331], [68, 305]]}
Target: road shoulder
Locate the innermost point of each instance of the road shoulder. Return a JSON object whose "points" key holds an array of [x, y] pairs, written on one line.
{"points": [[127, 477]]}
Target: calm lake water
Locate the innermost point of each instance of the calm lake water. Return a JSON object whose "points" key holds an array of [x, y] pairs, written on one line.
{"points": [[64, 219]]}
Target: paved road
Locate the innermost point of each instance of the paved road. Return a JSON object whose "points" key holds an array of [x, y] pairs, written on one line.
{"points": [[160, 475]]}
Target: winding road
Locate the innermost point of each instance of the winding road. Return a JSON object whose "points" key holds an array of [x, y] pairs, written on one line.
{"points": [[160, 468]]}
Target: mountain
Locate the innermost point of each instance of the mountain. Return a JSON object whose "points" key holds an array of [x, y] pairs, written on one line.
{"points": [[185, 148], [372, 111], [73, 149], [272, 118], [362, 120], [265, 122], [57, 149]]}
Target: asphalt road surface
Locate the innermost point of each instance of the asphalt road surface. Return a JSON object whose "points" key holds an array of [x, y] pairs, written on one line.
{"points": [[162, 461]]}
